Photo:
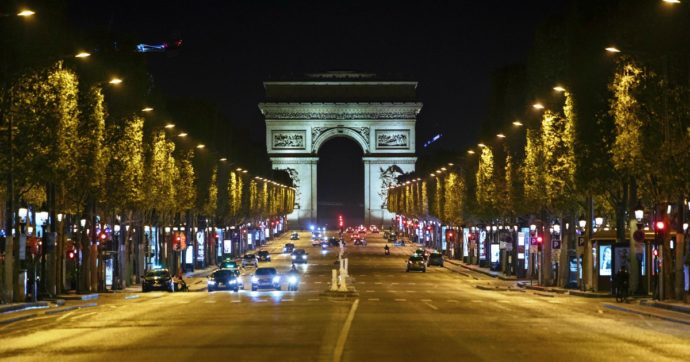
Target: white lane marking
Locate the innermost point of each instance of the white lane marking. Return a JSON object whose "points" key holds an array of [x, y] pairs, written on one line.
{"points": [[287, 300], [394, 283], [209, 301], [342, 338], [476, 301], [236, 301], [373, 299], [369, 291], [452, 301], [409, 291], [504, 301], [317, 282], [400, 300], [314, 299], [65, 315], [426, 300], [361, 282], [432, 306], [260, 300], [378, 282], [411, 283]]}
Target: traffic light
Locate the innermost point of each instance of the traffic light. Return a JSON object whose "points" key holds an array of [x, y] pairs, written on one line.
{"points": [[539, 239], [71, 255]]}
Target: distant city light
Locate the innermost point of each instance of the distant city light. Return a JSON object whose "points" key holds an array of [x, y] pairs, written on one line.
{"points": [[115, 81], [147, 109], [517, 124], [538, 106], [25, 12], [182, 134], [612, 50], [82, 55], [169, 126]]}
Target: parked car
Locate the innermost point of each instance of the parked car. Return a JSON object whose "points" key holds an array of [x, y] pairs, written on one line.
{"points": [[316, 242], [265, 278], [435, 258], [225, 279], [416, 262], [264, 255], [250, 260], [360, 241], [157, 279]]}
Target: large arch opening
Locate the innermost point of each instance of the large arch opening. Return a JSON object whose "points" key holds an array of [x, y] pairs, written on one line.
{"points": [[340, 182]]}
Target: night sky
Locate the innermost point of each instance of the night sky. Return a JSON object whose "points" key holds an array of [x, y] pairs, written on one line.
{"points": [[450, 47]]}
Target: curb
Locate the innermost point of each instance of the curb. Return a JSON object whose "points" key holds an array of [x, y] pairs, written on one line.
{"points": [[578, 293], [671, 307], [23, 306], [18, 318], [646, 314], [73, 307], [491, 288], [91, 296]]}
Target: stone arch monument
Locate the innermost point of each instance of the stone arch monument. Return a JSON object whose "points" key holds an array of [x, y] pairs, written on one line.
{"points": [[378, 114]]}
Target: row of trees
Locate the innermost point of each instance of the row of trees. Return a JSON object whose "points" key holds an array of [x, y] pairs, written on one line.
{"points": [[616, 132], [71, 156]]}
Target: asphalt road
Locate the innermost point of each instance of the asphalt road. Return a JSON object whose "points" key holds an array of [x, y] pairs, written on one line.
{"points": [[397, 316]]}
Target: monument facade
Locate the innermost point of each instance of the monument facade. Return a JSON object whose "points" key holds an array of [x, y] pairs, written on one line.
{"points": [[379, 115]]}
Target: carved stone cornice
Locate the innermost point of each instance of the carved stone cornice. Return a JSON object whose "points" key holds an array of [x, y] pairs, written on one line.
{"points": [[340, 111], [291, 160]]}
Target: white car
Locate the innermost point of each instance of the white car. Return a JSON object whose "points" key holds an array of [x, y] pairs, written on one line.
{"points": [[250, 260], [316, 242]]}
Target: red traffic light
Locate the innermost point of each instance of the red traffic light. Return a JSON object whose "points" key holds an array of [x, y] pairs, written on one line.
{"points": [[539, 239], [660, 225], [655, 252], [103, 235]]}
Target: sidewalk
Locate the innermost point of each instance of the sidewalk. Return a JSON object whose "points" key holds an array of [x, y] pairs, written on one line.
{"points": [[669, 311], [485, 271]]}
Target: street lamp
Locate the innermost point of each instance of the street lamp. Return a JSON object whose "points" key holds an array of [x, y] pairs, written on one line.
{"points": [[26, 13], [612, 49], [639, 210], [115, 81], [582, 221], [82, 222]]}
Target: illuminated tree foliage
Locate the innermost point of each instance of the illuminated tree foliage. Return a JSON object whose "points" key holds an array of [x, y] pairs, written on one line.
{"points": [[254, 199], [626, 152], [235, 189], [424, 198], [185, 183], [454, 191], [437, 191], [125, 170], [486, 190], [44, 108], [162, 173], [211, 203], [533, 172], [557, 140]]}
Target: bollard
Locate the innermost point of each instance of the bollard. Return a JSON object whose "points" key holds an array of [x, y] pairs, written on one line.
{"points": [[334, 280], [343, 284], [345, 272]]}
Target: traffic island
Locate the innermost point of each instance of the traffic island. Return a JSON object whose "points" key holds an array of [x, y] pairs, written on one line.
{"points": [[90, 296]]}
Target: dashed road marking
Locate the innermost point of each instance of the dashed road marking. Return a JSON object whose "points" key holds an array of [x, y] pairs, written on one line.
{"points": [[287, 300], [369, 291], [411, 283], [209, 301], [373, 299], [378, 282], [426, 300], [394, 283], [452, 301], [313, 299], [409, 291], [236, 301], [400, 300], [317, 282], [432, 306]]}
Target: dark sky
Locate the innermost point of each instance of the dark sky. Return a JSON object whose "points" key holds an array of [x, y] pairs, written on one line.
{"points": [[230, 47]]}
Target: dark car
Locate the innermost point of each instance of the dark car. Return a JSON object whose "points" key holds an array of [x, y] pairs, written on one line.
{"points": [[360, 241], [225, 279], [264, 255], [289, 248], [333, 242], [299, 256], [416, 262], [228, 264], [157, 279], [294, 236], [265, 278], [435, 259], [423, 253]]}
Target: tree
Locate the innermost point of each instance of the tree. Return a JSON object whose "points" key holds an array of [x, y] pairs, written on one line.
{"points": [[533, 172], [486, 190], [185, 183], [454, 191], [211, 203]]}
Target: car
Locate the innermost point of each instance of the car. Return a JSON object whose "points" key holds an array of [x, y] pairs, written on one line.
{"points": [[423, 253], [294, 236], [333, 242], [416, 262], [360, 241], [228, 264], [250, 260], [375, 231], [399, 242], [265, 278], [299, 256], [289, 248], [157, 279], [225, 279], [316, 242], [435, 258], [264, 255]]}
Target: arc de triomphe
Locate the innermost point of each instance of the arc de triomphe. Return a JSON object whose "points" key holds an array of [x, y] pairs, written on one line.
{"points": [[379, 115]]}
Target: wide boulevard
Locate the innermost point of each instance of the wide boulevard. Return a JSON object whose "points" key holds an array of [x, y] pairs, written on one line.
{"points": [[396, 316]]}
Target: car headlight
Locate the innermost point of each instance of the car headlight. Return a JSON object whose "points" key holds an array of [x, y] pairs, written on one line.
{"points": [[304, 256], [276, 279], [211, 282], [255, 280], [294, 257], [292, 280], [233, 281]]}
